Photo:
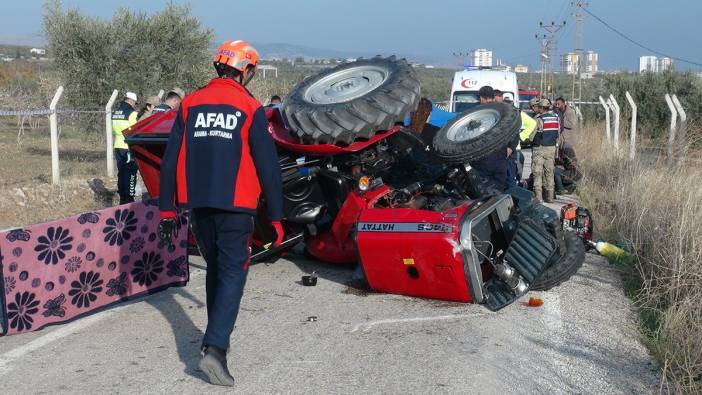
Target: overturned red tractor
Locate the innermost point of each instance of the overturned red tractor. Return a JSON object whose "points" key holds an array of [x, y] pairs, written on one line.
{"points": [[359, 187]]}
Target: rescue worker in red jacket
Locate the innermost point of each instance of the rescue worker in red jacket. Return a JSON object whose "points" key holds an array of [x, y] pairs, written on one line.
{"points": [[218, 158]]}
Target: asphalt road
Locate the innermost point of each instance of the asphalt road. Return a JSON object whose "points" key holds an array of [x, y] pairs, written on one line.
{"points": [[582, 340]]}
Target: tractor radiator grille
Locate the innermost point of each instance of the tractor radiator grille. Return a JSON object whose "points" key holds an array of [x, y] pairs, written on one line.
{"points": [[530, 250]]}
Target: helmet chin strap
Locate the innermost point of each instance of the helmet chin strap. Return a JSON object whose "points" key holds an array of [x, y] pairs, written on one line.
{"points": [[246, 76]]}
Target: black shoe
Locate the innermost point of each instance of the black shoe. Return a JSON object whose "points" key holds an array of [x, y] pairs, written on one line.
{"points": [[214, 365]]}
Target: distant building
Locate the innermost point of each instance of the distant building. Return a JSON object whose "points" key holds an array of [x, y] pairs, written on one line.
{"points": [[38, 51], [520, 68], [569, 63], [653, 64], [665, 64], [588, 65], [648, 64], [481, 57], [500, 65]]}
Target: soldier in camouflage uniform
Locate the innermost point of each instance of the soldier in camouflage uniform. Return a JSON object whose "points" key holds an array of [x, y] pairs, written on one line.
{"points": [[544, 141]]}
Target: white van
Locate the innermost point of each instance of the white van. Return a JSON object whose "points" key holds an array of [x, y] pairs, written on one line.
{"points": [[466, 83]]}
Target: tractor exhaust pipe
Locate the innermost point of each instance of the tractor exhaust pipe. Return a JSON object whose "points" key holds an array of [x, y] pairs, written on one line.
{"points": [[510, 276]]}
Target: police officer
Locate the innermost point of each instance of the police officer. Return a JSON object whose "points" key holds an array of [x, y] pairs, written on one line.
{"points": [[123, 118], [218, 158], [172, 101], [544, 141]]}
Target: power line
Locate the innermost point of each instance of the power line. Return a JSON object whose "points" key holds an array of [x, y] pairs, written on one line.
{"points": [[548, 49], [562, 13], [610, 27]]}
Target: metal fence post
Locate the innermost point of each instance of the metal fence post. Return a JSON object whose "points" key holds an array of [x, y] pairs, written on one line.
{"points": [[607, 126], [580, 120], [53, 125], [673, 123], [108, 134], [617, 111], [632, 133], [682, 128]]}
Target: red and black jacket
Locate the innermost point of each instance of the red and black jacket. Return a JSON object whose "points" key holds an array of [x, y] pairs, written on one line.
{"points": [[220, 154]]}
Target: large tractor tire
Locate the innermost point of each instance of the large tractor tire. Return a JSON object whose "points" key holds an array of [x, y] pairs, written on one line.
{"points": [[571, 261], [352, 101], [478, 132]]}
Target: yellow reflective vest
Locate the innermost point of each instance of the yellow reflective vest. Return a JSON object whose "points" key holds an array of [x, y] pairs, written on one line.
{"points": [[528, 126], [122, 118]]}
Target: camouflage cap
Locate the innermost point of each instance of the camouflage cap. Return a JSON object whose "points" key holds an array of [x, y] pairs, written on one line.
{"points": [[178, 92], [544, 103]]}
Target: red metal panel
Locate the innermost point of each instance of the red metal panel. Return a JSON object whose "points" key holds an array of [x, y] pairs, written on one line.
{"points": [[413, 252]]}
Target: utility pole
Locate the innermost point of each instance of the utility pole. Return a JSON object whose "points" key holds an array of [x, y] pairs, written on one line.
{"points": [[547, 51], [543, 56], [580, 61]]}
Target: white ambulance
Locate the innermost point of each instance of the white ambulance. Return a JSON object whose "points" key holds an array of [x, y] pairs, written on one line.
{"points": [[466, 83]]}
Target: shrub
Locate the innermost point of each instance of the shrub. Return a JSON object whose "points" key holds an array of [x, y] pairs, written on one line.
{"points": [[132, 51]]}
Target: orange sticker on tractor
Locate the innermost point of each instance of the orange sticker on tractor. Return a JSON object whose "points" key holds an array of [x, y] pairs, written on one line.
{"points": [[408, 261]]}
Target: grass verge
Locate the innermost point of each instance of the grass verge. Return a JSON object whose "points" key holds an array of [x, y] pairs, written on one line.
{"points": [[654, 210]]}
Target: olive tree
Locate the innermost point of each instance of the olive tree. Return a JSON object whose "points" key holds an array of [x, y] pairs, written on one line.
{"points": [[131, 51]]}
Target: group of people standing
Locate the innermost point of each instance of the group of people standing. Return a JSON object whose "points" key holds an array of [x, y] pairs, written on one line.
{"points": [[123, 117], [550, 133], [554, 164]]}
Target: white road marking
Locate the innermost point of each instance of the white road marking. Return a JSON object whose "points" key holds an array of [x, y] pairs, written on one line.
{"points": [[7, 359], [367, 326], [554, 323], [552, 311]]}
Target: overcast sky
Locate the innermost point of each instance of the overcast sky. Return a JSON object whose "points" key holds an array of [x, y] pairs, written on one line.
{"points": [[428, 27]]}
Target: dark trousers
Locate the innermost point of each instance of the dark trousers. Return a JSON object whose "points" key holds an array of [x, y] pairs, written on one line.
{"points": [[512, 169], [223, 238], [494, 167], [558, 178], [126, 175]]}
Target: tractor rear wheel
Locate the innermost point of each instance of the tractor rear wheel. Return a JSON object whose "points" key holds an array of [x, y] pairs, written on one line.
{"points": [[352, 101]]}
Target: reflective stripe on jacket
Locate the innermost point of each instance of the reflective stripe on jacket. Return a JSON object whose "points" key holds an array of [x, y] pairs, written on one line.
{"points": [[548, 129], [163, 107], [122, 118]]}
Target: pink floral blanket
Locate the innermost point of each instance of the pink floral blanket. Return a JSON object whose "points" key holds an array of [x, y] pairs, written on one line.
{"points": [[58, 271]]}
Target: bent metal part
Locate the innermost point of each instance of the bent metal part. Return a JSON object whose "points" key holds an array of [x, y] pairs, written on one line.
{"points": [[405, 227]]}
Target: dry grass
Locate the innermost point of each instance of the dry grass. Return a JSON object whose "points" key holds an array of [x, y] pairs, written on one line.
{"points": [[655, 210], [26, 193]]}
